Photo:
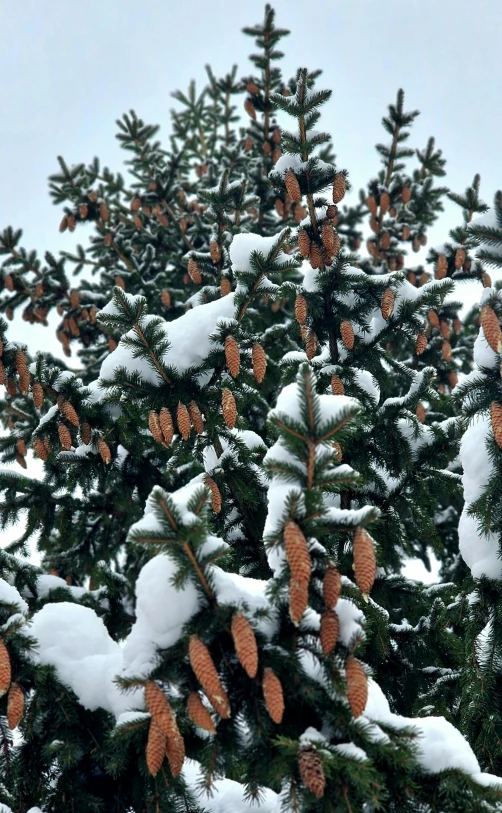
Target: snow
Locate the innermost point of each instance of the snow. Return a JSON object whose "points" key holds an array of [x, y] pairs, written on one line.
{"points": [[348, 749], [75, 641], [366, 382], [243, 245], [351, 620], [9, 595], [286, 162], [247, 594], [226, 796], [484, 356]]}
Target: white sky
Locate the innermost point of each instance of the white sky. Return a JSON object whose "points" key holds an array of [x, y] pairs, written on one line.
{"points": [[69, 69]]}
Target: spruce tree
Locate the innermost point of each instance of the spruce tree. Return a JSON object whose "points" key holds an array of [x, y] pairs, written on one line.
{"points": [[235, 474]]}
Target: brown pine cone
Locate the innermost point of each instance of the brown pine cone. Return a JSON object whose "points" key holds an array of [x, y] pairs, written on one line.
{"points": [[85, 433], [301, 309], [420, 344], [441, 267], [347, 334], [64, 437], [372, 205], [104, 451], [357, 686], [225, 286], [388, 300], [304, 243], [37, 392], [205, 672], [311, 770], [160, 708], [329, 631], [433, 318], [337, 387], [292, 186], [215, 494], [199, 714], [194, 271], [175, 752], [165, 298], [311, 344], [444, 329], [183, 421], [154, 426], [298, 599], [39, 449], [245, 644], [339, 187], [229, 408], [496, 421], [364, 561], [196, 417], [155, 748], [5, 669], [232, 356], [15, 705], [421, 413], [331, 586], [297, 552], [214, 251], [486, 280], [70, 414], [491, 328], [446, 351], [273, 695], [259, 360], [460, 256], [166, 425]]}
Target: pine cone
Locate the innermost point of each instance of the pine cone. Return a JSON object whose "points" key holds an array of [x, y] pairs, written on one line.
{"points": [[338, 450], [11, 386], [159, 707], [331, 211], [154, 426], [103, 212], [20, 362], [331, 586], [138, 223], [385, 240], [406, 194], [229, 408], [47, 444], [315, 255], [459, 258], [249, 108], [214, 251], [388, 299], [196, 417], [444, 329], [311, 770], [64, 223], [441, 267], [155, 748], [328, 237], [245, 644], [452, 379], [496, 419], [183, 421], [420, 343], [194, 272], [446, 351], [303, 243], [120, 282], [374, 225], [420, 413], [292, 186], [21, 447], [337, 387], [225, 286], [372, 249], [85, 433], [205, 672], [311, 344], [104, 451], [433, 318], [357, 686], [135, 205], [339, 187], [37, 392], [2, 373], [64, 437], [329, 631], [364, 561], [70, 414], [15, 706], [259, 360], [20, 460], [273, 695], [298, 599], [39, 449], [199, 714], [486, 280], [297, 552], [384, 203], [215, 494], [372, 205], [415, 243], [232, 356], [175, 752], [165, 298], [301, 309], [491, 328], [166, 426], [5, 669], [347, 334], [457, 325]]}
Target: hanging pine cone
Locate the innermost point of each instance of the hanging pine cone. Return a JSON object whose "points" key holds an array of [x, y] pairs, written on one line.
{"points": [[372, 205], [364, 561], [420, 343], [64, 437], [37, 392], [347, 334], [297, 552], [196, 417], [486, 280], [15, 706], [357, 686], [175, 752], [298, 599], [374, 225], [387, 306], [85, 433], [64, 223], [215, 494], [249, 108], [259, 360], [301, 309], [311, 344], [194, 272], [337, 387], [103, 212], [496, 419], [245, 644], [406, 194], [420, 413], [5, 669], [433, 318], [329, 631], [205, 672], [315, 255], [225, 286], [47, 444], [199, 714], [273, 695], [339, 187], [444, 329], [183, 421], [303, 243], [331, 586], [20, 460], [328, 237], [491, 328], [372, 249], [120, 282], [460, 256], [331, 211], [384, 203], [104, 451], [20, 362], [154, 426], [70, 414], [165, 298], [155, 748], [457, 325], [311, 770], [214, 251], [338, 450], [452, 379], [160, 708], [232, 356], [135, 205], [39, 449], [446, 351], [167, 426], [292, 186], [11, 386], [21, 447], [229, 408], [441, 267], [385, 240]]}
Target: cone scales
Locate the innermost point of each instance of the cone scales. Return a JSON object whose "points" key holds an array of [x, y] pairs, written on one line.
{"points": [[104, 451], [64, 437], [298, 600], [199, 714], [215, 494], [364, 561], [229, 408], [183, 421], [196, 417], [339, 187], [166, 425], [292, 185], [297, 552], [175, 752], [245, 644], [155, 748], [347, 334], [329, 631], [273, 695], [15, 706], [5, 669], [331, 586], [357, 686], [387, 303], [159, 707], [232, 356], [337, 387], [205, 672], [38, 394], [496, 419], [420, 344], [154, 426], [259, 360], [491, 328], [300, 309], [303, 243], [311, 770]]}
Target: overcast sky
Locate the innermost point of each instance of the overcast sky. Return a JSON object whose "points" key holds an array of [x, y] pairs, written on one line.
{"points": [[70, 69]]}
